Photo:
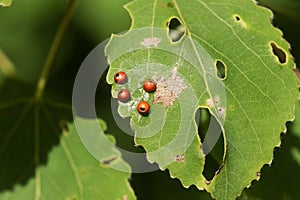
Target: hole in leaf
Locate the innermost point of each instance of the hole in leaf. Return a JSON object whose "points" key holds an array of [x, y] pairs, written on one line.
{"points": [[221, 69], [212, 140], [176, 30], [240, 21], [279, 53]]}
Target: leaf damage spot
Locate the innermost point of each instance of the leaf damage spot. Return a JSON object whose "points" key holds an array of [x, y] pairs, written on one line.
{"points": [[151, 42], [178, 158], [258, 173], [221, 70], [215, 102], [212, 102], [221, 111], [279, 53], [176, 30], [297, 73], [207, 182], [162, 4], [108, 161], [125, 197], [170, 5], [168, 90], [239, 20]]}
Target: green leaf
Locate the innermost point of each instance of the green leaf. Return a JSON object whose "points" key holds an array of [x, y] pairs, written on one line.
{"points": [[72, 173], [7, 68], [38, 160], [252, 103], [5, 3], [30, 16]]}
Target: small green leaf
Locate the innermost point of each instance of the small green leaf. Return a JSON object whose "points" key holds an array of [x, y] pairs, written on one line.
{"points": [[72, 173], [5, 3], [39, 161], [251, 101], [7, 68]]}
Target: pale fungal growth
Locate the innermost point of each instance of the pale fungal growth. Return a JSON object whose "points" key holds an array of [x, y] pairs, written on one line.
{"points": [[258, 173], [151, 42], [221, 111], [217, 100], [179, 158], [168, 90], [211, 103]]}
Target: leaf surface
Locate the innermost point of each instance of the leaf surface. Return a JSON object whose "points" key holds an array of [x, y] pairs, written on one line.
{"points": [[251, 104]]}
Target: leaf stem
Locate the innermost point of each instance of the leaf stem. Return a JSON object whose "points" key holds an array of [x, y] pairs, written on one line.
{"points": [[54, 49]]}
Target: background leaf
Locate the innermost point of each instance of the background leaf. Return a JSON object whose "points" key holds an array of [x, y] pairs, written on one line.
{"points": [[256, 112], [72, 173], [5, 2], [37, 160], [7, 68]]}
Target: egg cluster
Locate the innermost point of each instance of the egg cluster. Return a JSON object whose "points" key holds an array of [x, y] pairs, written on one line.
{"points": [[124, 95]]}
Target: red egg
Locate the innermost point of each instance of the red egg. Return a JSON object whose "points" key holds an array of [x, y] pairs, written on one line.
{"points": [[149, 86], [124, 96], [120, 77], [143, 108]]}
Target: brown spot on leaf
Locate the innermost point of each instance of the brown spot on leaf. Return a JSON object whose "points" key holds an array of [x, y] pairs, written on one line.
{"points": [[168, 90], [297, 73], [162, 4], [179, 158], [170, 5]]}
